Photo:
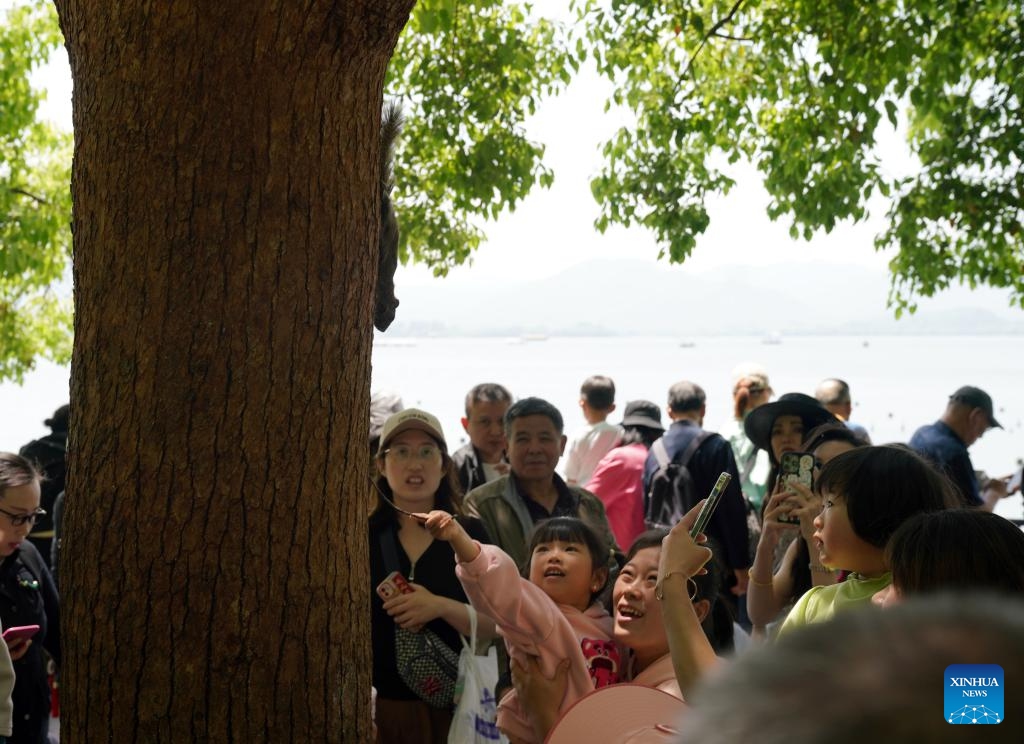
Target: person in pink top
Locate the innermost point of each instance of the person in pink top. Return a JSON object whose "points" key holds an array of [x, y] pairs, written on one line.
{"points": [[618, 479], [550, 617], [668, 620]]}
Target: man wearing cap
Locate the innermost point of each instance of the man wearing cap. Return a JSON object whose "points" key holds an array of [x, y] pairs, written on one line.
{"points": [[968, 415], [713, 456]]}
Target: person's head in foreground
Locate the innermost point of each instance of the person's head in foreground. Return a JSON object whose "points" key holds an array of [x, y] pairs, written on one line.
{"points": [[868, 675], [954, 550]]}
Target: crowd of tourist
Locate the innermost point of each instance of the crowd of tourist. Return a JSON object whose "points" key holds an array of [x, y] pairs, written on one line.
{"points": [[824, 556], [593, 579]]}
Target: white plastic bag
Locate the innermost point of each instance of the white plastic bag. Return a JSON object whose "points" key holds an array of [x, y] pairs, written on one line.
{"points": [[476, 711]]}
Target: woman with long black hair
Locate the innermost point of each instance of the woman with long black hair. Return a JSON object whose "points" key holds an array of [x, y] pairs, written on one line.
{"points": [[415, 474]]}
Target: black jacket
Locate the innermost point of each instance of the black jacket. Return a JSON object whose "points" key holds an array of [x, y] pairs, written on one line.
{"points": [[728, 524], [49, 454], [28, 597], [434, 570], [470, 469]]}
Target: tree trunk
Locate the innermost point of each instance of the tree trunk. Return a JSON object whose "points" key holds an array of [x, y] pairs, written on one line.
{"points": [[226, 213]]}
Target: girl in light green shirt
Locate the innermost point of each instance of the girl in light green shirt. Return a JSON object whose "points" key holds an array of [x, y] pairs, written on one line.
{"points": [[866, 494]]}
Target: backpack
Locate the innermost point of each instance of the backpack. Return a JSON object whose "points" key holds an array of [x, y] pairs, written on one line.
{"points": [[672, 491]]}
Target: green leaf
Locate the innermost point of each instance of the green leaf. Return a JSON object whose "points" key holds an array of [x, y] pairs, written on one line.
{"points": [[35, 200], [890, 111]]}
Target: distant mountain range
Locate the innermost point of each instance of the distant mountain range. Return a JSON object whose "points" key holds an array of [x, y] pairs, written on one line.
{"points": [[625, 297]]}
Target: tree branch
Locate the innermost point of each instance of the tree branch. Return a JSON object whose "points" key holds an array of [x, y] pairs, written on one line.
{"points": [[732, 38], [38, 199], [713, 32]]}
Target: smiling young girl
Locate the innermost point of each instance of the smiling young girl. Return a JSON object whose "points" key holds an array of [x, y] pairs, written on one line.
{"points": [[867, 493], [553, 615]]}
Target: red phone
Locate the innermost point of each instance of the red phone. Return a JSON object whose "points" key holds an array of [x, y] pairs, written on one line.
{"points": [[393, 585], [20, 633]]}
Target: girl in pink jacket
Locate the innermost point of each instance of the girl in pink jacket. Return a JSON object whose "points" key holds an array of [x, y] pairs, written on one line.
{"points": [[552, 616]]}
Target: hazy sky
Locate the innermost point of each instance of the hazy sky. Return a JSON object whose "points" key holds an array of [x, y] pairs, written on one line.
{"points": [[553, 229]]}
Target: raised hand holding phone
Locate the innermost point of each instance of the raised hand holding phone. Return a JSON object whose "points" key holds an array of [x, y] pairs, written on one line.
{"points": [[710, 504], [804, 505], [681, 552], [1015, 481], [795, 468]]}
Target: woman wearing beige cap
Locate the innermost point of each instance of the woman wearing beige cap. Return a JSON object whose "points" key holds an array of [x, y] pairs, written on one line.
{"points": [[415, 474]]}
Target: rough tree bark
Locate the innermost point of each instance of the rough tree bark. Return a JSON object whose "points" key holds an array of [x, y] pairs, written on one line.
{"points": [[226, 215]]}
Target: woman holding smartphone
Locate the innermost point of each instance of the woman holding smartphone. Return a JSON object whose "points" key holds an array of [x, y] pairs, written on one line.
{"points": [[28, 598], [668, 617], [415, 474]]}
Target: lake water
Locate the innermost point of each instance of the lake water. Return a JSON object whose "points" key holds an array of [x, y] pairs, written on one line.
{"points": [[898, 383]]}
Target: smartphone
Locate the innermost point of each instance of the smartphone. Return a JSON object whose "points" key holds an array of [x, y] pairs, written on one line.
{"points": [[704, 515], [798, 467], [393, 585], [20, 633]]}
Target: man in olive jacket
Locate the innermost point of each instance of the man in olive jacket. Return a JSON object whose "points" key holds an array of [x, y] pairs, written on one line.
{"points": [[532, 491]]}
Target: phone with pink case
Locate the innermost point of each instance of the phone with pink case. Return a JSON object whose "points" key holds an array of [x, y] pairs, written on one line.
{"points": [[20, 633], [393, 585]]}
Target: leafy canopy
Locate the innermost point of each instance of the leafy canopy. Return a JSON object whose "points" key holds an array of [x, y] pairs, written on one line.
{"points": [[35, 200], [467, 73], [801, 88]]}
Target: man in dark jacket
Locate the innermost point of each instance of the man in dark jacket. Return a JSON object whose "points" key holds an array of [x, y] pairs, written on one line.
{"points": [[967, 417], [483, 459], [728, 525]]}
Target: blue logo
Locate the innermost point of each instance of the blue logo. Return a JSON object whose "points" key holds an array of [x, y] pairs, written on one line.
{"points": [[974, 693]]}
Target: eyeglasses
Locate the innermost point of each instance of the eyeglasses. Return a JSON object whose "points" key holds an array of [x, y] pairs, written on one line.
{"points": [[403, 453], [18, 520]]}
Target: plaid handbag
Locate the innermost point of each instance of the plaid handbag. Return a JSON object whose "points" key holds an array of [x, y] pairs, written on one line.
{"points": [[427, 665]]}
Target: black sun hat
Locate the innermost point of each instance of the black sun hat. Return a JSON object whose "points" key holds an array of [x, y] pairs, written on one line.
{"points": [[758, 424], [643, 413]]}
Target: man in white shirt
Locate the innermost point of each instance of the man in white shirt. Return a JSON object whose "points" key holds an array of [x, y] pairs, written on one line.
{"points": [[590, 444]]}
